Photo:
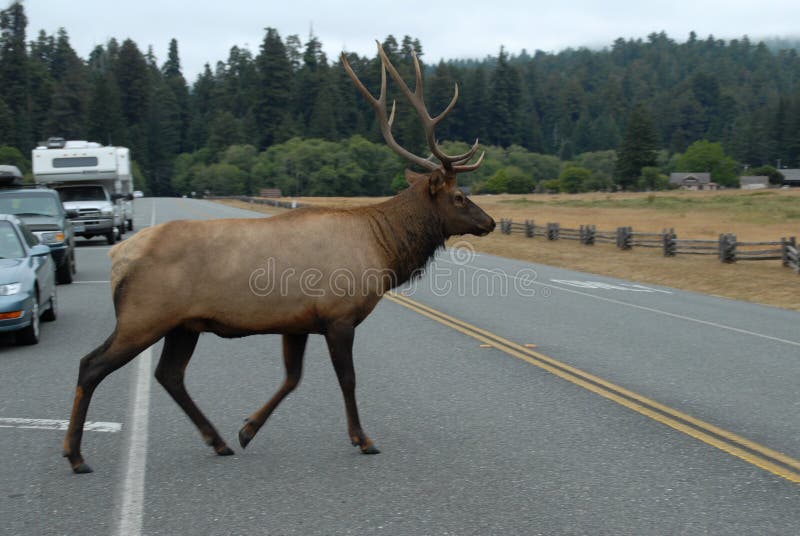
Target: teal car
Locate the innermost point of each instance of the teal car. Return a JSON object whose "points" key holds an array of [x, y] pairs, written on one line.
{"points": [[27, 281]]}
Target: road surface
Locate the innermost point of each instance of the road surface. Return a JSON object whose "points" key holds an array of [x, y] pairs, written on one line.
{"points": [[506, 398]]}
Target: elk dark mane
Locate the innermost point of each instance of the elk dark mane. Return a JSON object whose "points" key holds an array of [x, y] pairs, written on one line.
{"points": [[408, 231]]}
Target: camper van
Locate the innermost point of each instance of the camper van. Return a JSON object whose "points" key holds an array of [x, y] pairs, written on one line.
{"points": [[93, 181]]}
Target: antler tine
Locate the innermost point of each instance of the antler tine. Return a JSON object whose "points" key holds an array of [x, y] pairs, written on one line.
{"points": [[417, 101], [464, 158], [379, 107], [470, 167]]}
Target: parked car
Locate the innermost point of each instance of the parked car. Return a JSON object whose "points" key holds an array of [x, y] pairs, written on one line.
{"points": [[44, 215], [138, 193], [27, 281]]}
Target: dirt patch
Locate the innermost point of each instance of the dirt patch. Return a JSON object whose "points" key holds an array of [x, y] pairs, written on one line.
{"points": [[752, 216]]}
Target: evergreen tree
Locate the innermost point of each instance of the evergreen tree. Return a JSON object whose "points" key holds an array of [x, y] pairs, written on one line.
{"points": [[274, 93], [14, 73], [638, 149]]}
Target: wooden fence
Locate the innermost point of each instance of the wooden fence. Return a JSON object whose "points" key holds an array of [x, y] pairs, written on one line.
{"points": [[258, 201], [726, 247]]}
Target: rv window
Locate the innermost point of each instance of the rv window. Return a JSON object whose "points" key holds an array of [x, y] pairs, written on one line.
{"points": [[75, 161]]}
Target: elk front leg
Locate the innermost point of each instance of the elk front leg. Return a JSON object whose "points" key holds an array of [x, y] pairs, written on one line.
{"points": [[179, 344], [340, 345], [294, 346], [94, 367]]}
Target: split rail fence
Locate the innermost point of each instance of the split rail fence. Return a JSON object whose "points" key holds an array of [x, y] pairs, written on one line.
{"points": [[727, 247]]}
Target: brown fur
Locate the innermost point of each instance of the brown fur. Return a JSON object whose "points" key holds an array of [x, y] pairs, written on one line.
{"points": [[181, 278]]}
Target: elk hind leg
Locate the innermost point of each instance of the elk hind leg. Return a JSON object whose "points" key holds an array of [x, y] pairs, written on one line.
{"points": [[340, 345], [179, 344], [294, 347]]}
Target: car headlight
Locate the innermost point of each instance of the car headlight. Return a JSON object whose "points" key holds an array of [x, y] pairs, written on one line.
{"points": [[50, 237], [107, 211], [10, 289]]}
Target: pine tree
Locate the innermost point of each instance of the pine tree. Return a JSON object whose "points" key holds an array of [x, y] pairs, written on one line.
{"points": [[275, 89], [14, 73], [638, 148], [506, 91]]}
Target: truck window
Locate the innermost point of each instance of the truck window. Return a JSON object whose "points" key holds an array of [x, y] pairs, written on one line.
{"points": [[82, 193], [29, 205], [75, 161]]}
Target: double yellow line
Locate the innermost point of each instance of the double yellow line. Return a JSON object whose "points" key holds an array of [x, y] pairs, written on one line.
{"points": [[735, 445]]}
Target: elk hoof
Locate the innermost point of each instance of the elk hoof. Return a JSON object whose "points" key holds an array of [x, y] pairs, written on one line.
{"points": [[224, 450], [370, 449], [81, 469], [245, 435]]}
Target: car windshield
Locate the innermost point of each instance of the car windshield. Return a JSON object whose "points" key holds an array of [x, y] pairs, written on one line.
{"points": [[82, 193], [29, 205], [10, 246]]}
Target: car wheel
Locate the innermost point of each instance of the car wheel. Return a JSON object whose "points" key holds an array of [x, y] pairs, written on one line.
{"points": [[130, 225], [64, 272], [30, 334], [52, 312], [111, 236], [121, 229]]}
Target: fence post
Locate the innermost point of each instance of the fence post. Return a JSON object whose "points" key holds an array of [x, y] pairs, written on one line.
{"points": [[587, 234], [727, 248], [668, 239], [529, 229], [624, 235], [552, 231], [505, 226], [785, 243]]}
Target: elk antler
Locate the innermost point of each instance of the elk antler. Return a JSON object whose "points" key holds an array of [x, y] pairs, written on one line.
{"points": [[455, 163]]}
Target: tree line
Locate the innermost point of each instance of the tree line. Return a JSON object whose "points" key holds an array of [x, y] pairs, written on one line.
{"points": [[288, 116]]}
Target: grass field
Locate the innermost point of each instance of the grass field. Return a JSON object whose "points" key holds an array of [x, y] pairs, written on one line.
{"points": [[751, 215]]}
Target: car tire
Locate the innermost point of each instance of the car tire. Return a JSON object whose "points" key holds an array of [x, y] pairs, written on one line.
{"points": [[121, 229], [30, 334], [65, 271], [52, 312], [130, 225], [111, 236]]}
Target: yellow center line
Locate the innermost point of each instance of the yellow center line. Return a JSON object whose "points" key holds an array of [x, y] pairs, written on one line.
{"points": [[691, 426]]}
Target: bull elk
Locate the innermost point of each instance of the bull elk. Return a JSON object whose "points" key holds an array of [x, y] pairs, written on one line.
{"points": [[181, 278]]}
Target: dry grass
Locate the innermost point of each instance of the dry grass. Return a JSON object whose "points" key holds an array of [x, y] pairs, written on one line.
{"points": [[752, 216]]}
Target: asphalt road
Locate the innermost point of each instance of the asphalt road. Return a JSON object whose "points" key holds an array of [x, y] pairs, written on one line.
{"points": [[475, 437]]}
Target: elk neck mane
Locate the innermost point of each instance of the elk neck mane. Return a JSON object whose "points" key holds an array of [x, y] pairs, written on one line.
{"points": [[408, 230]]}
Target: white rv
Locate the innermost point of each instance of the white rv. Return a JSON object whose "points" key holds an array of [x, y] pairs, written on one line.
{"points": [[94, 182]]}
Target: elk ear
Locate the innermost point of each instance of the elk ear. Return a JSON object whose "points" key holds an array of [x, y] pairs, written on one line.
{"points": [[412, 176], [437, 181]]}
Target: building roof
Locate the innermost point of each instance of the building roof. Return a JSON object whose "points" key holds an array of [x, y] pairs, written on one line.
{"points": [[790, 175], [753, 179], [680, 177]]}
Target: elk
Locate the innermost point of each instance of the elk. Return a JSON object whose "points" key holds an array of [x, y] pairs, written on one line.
{"points": [[181, 278]]}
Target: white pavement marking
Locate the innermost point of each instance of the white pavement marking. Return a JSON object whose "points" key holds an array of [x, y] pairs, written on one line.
{"points": [[528, 281], [56, 424], [132, 503]]}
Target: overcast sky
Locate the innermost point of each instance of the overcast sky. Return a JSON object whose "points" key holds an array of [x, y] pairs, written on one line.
{"points": [[446, 28]]}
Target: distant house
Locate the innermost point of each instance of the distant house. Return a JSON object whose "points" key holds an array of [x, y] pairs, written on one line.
{"points": [[692, 181], [791, 177], [753, 182]]}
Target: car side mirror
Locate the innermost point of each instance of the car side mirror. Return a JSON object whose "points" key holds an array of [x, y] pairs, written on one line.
{"points": [[72, 213], [129, 197], [115, 197], [40, 250]]}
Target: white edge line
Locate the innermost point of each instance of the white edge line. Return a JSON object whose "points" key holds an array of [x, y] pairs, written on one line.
{"points": [[57, 424], [640, 307], [132, 487]]}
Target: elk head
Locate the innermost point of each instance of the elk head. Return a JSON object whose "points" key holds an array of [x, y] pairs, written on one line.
{"points": [[458, 214]]}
